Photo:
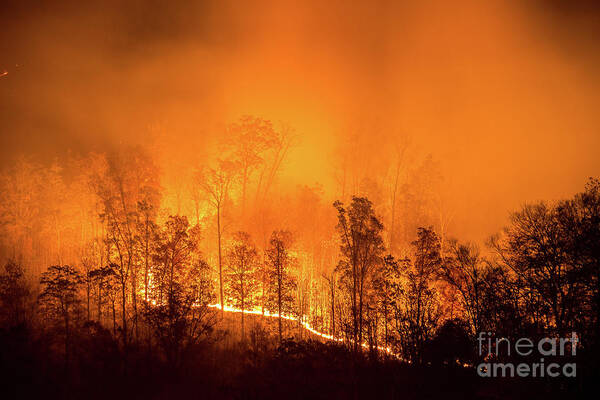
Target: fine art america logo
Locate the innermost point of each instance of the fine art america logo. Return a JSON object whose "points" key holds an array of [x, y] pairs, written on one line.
{"points": [[546, 357]]}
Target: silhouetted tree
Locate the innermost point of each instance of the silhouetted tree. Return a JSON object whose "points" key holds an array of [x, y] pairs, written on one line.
{"points": [[128, 190], [243, 285], [147, 231], [216, 182], [14, 295], [282, 283], [420, 304], [59, 298], [463, 270], [579, 221], [503, 307], [179, 323], [392, 279], [361, 246], [104, 280], [178, 314], [331, 288], [534, 248], [388, 286], [87, 263]]}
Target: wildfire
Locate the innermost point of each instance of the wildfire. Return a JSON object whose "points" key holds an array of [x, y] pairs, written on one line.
{"points": [[303, 322]]}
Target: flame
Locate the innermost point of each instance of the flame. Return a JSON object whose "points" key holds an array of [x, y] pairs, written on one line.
{"points": [[3, 73], [305, 325]]}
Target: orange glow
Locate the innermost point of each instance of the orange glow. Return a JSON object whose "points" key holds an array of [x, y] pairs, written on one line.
{"points": [[256, 118], [475, 84], [299, 198], [304, 323]]}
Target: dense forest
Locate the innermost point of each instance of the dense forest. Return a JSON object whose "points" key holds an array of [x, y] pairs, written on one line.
{"points": [[115, 273], [271, 199]]}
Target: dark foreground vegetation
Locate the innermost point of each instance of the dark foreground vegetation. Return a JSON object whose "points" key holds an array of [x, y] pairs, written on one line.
{"points": [[293, 370], [33, 366]]}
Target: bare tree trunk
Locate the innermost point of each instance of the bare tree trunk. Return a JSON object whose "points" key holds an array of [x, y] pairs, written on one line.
{"points": [[354, 309], [100, 301], [385, 321], [134, 303], [220, 261], [242, 296], [332, 292], [124, 311], [146, 268], [360, 312], [88, 290], [279, 295], [114, 315]]}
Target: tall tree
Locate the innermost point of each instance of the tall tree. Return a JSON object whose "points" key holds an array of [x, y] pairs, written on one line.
{"points": [[331, 286], [242, 260], [387, 283], [422, 305], [579, 220], [390, 285], [361, 247], [104, 280], [463, 269], [175, 248], [128, 190], [178, 314], [217, 182], [147, 232], [535, 248], [282, 283], [59, 298]]}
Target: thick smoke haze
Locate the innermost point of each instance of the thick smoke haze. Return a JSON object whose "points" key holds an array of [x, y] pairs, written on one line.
{"points": [[503, 95]]}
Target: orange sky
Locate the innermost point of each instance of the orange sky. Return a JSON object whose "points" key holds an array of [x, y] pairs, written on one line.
{"points": [[503, 94]]}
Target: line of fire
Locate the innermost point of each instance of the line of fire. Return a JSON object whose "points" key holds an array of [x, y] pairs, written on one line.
{"points": [[299, 199]]}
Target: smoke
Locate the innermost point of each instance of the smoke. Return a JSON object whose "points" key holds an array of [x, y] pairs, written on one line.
{"points": [[503, 94]]}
